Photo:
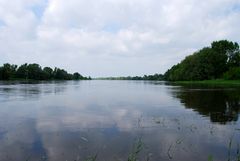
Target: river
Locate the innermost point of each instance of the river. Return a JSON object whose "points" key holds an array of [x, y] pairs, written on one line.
{"points": [[117, 121]]}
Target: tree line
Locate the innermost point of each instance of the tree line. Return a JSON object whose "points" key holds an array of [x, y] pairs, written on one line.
{"points": [[219, 61], [145, 77], [36, 72]]}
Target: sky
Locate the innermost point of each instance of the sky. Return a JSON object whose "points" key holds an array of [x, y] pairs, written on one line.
{"points": [[113, 37]]}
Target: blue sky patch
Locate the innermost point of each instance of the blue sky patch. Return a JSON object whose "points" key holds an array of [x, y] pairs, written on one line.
{"points": [[236, 7], [2, 23], [39, 9], [112, 27]]}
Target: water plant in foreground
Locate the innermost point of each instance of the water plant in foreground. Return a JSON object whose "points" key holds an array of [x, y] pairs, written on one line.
{"points": [[137, 148], [92, 158]]}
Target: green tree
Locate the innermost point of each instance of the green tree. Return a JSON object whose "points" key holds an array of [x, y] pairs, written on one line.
{"points": [[208, 63], [34, 71], [233, 56], [22, 71], [8, 71], [234, 60], [1, 73], [232, 74], [77, 76], [60, 74], [47, 73], [228, 52]]}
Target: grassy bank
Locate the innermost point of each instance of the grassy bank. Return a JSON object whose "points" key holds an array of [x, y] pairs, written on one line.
{"points": [[211, 82]]}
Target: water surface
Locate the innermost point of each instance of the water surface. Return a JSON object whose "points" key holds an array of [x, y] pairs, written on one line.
{"points": [[74, 120]]}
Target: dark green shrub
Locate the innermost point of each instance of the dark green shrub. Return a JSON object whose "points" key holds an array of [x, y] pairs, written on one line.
{"points": [[232, 74]]}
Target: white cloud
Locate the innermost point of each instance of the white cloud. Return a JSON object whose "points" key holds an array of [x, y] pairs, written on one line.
{"points": [[112, 37]]}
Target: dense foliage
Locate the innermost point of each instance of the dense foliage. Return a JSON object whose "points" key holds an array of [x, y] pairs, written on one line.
{"points": [[36, 72], [232, 74], [220, 60]]}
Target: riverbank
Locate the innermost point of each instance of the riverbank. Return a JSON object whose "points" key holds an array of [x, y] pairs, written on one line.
{"points": [[211, 82]]}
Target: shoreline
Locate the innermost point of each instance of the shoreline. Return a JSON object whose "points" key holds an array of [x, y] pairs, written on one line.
{"points": [[210, 82]]}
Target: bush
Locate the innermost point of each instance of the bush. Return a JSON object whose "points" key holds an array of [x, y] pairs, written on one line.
{"points": [[232, 74]]}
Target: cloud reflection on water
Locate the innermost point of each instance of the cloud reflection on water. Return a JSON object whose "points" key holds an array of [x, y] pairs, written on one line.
{"points": [[72, 120]]}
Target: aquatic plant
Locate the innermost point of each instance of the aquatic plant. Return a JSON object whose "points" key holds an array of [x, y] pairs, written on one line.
{"points": [[92, 158], [210, 158], [137, 148]]}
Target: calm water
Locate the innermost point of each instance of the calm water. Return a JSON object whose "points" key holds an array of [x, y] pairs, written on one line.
{"points": [[59, 121]]}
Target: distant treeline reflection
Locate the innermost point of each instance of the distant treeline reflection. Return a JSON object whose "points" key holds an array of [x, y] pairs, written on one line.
{"points": [[221, 105], [36, 72]]}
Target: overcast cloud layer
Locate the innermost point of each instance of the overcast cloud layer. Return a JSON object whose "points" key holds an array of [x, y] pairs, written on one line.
{"points": [[112, 37]]}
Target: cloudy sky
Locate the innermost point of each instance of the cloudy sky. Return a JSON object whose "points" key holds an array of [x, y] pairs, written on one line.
{"points": [[112, 37]]}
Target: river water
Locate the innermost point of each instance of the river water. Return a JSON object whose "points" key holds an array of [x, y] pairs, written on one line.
{"points": [[117, 121]]}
